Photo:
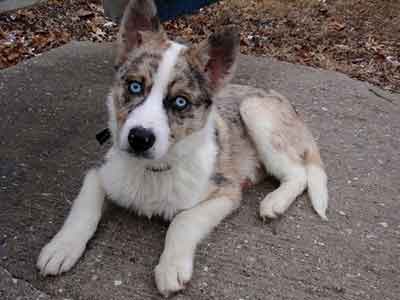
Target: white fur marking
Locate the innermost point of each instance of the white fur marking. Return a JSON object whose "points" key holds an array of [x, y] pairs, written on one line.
{"points": [[67, 246], [128, 182], [151, 114]]}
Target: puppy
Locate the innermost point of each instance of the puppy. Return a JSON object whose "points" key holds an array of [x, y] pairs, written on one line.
{"points": [[185, 144]]}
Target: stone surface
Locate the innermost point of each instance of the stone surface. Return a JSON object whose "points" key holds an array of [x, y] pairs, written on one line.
{"points": [[51, 108], [17, 289], [9, 5]]}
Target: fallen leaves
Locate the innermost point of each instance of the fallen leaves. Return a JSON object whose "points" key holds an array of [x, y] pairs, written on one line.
{"points": [[83, 13], [336, 26], [51, 39], [357, 37], [29, 32]]}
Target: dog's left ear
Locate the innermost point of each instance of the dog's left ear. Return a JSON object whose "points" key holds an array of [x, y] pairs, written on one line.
{"points": [[216, 57], [140, 16]]}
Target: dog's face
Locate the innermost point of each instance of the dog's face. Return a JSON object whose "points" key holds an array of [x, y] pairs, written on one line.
{"points": [[163, 90]]}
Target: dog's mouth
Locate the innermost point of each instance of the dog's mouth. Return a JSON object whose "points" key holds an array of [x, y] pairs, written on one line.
{"points": [[158, 169], [150, 163]]}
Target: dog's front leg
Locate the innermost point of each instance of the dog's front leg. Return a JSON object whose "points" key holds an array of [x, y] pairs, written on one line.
{"points": [[186, 230], [67, 246]]}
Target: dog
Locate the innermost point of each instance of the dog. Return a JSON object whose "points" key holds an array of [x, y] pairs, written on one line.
{"points": [[185, 143]]}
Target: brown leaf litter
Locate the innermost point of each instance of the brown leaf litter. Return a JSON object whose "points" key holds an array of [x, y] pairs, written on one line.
{"points": [[360, 38]]}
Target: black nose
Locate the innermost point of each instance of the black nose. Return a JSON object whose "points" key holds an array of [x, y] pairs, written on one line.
{"points": [[141, 139]]}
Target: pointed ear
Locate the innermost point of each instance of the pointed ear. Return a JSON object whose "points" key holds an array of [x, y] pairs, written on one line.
{"points": [[139, 15], [216, 57]]}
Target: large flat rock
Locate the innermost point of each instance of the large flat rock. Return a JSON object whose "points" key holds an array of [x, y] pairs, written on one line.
{"points": [[51, 108], [17, 289], [10, 5]]}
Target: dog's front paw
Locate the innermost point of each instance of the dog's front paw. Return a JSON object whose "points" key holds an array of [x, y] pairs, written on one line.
{"points": [[59, 255], [172, 274]]}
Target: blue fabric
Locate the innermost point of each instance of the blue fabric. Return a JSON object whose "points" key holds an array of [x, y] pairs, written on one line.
{"points": [[170, 9]]}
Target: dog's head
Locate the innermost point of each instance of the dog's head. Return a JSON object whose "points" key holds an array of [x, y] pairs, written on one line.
{"points": [[163, 91]]}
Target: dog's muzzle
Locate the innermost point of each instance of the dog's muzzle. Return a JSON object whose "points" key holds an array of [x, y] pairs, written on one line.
{"points": [[140, 140]]}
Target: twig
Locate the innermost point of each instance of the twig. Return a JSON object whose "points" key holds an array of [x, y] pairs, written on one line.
{"points": [[380, 96], [393, 91]]}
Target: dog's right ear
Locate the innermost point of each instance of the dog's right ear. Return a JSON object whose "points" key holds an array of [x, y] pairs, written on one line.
{"points": [[139, 15]]}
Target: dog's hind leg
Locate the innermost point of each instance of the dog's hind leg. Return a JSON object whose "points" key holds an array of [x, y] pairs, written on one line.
{"points": [[284, 145], [67, 246]]}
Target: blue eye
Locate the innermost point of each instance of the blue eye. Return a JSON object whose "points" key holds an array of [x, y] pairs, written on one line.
{"points": [[135, 87], [180, 103]]}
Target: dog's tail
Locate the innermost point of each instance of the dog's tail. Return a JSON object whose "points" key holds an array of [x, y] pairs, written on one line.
{"points": [[317, 181]]}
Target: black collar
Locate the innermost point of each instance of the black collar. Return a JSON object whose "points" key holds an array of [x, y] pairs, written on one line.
{"points": [[103, 136]]}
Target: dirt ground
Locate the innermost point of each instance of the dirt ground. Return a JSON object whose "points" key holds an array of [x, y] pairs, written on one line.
{"points": [[356, 37]]}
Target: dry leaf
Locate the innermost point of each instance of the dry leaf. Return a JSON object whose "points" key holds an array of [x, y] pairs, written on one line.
{"points": [[83, 13], [336, 26]]}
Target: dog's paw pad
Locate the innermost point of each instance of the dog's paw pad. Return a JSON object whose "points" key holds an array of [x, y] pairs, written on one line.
{"points": [[171, 276], [59, 256]]}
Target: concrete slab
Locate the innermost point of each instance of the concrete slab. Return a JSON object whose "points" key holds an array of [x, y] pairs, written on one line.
{"points": [[14, 288], [51, 108], [10, 5]]}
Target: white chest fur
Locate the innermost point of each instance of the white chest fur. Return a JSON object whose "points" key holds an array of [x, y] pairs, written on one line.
{"points": [[130, 184]]}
